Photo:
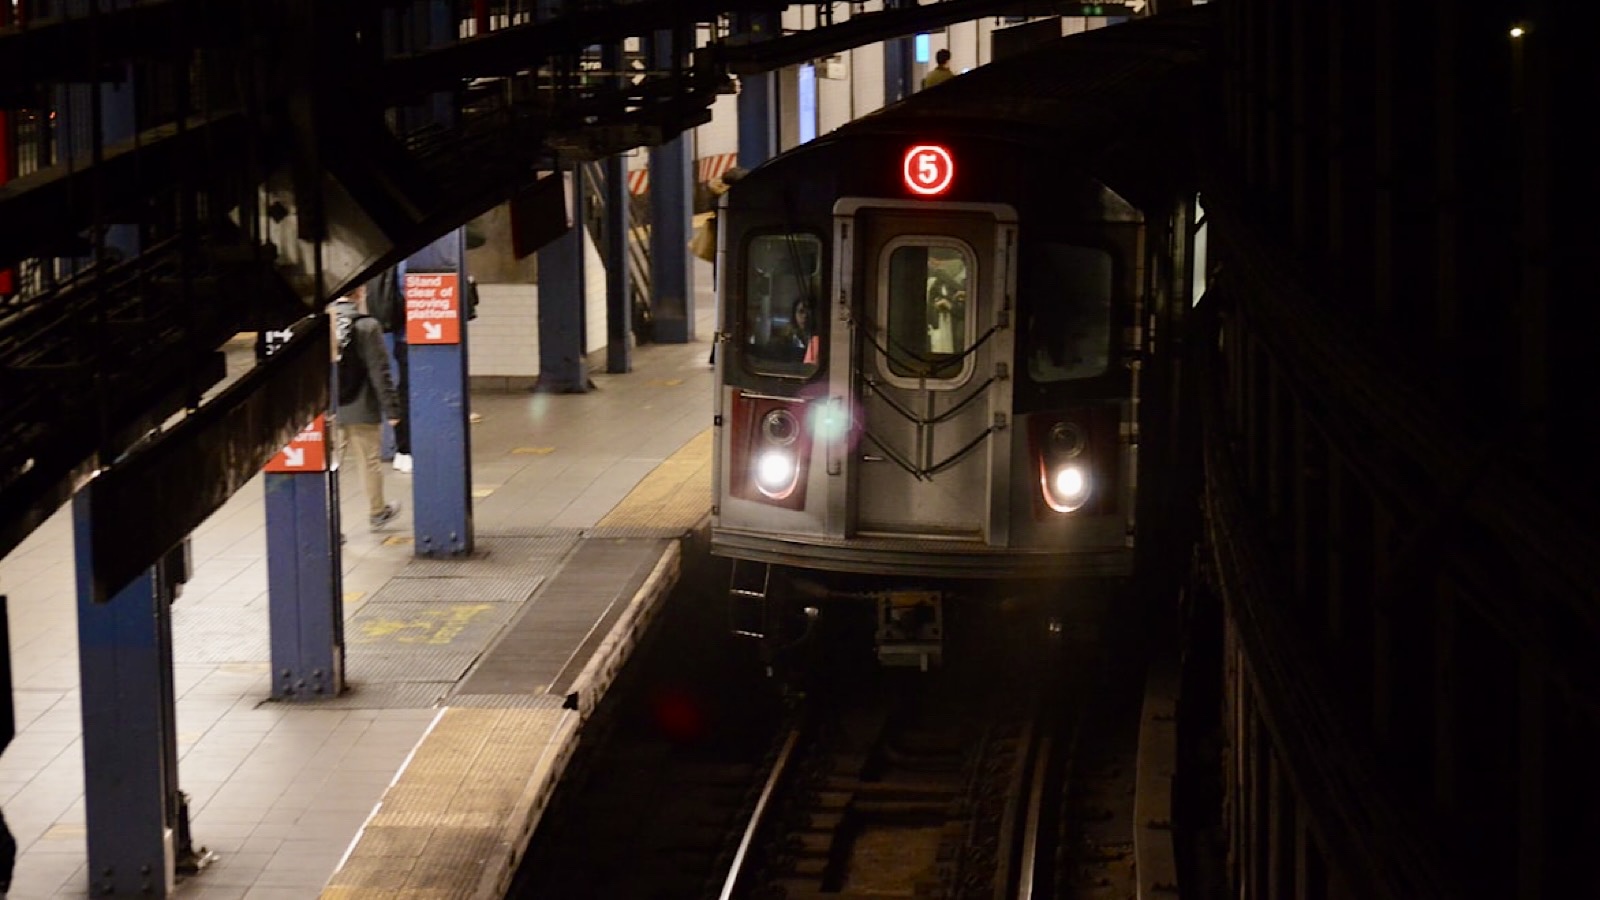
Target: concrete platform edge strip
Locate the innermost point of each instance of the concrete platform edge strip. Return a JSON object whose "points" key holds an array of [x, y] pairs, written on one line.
{"points": [[590, 686], [1153, 854]]}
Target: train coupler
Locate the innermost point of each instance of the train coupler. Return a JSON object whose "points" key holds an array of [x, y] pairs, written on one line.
{"points": [[910, 628]]}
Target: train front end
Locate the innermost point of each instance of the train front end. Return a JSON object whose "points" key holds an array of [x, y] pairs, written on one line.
{"points": [[924, 372]]}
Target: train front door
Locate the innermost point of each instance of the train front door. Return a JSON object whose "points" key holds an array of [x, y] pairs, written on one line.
{"points": [[929, 333]]}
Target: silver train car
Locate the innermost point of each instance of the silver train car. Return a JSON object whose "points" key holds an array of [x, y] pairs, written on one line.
{"points": [[946, 329]]}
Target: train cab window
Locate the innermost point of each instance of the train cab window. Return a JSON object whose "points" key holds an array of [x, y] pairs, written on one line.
{"points": [[1069, 325], [924, 308], [782, 333]]}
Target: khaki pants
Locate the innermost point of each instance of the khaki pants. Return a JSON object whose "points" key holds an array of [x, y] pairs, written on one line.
{"points": [[366, 442]]}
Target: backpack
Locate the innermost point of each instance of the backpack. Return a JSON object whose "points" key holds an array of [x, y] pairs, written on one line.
{"points": [[351, 367]]}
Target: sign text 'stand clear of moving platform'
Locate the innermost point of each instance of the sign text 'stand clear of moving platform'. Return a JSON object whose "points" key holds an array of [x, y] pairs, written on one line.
{"points": [[308, 452], [433, 308]]}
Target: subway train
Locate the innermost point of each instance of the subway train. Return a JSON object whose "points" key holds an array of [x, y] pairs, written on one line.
{"points": [[947, 352]]}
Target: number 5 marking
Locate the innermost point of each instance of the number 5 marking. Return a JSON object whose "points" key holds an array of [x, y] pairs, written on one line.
{"points": [[928, 169]]}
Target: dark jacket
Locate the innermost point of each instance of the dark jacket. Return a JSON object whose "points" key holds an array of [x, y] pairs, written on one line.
{"points": [[377, 399]]}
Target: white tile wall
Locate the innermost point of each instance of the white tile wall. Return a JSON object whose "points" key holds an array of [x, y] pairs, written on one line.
{"points": [[594, 296], [504, 338], [505, 335]]}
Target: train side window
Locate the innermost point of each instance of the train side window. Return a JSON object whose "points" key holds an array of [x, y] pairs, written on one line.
{"points": [[1069, 325], [783, 294], [927, 317]]}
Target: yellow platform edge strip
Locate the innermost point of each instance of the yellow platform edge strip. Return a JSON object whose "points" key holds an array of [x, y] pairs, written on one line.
{"points": [[676, 494]]}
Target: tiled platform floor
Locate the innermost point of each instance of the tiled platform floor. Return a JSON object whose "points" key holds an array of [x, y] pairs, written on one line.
{"points": [[278, 791]]}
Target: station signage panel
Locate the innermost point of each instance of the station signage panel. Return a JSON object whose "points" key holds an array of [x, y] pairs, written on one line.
{"points": [[308, 452], [433, 308]]}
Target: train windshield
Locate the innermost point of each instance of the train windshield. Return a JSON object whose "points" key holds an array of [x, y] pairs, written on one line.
{"points": [[928, 318], [1069, 327], [783, 293]]}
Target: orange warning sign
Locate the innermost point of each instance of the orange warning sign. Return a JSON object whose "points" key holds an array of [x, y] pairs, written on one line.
{"points": [[308, 452], [433, 308]]}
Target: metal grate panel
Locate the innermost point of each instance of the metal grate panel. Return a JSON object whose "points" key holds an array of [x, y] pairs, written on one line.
{"points": [[513, 556], [479, 590], [380, 695], [420, 641]]}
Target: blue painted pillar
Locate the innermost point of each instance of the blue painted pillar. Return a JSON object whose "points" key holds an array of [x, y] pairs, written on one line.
{"points": [[129, 738], [758, 120], [305, 587], [441, 444], [561, 299], [671, 204], [898, 54], [619, 304]]}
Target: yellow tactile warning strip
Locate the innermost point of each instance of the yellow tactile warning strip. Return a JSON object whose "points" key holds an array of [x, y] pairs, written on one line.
{"points": [[454, 823], [675, 497], [445, 823]]}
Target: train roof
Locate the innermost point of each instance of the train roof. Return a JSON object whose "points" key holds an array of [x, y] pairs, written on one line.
{"points": [[1120, 101]]}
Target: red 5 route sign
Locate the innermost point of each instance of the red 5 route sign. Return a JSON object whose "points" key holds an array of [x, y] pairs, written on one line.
{"points": [[928, 169], [308, 452], [433, 308]]}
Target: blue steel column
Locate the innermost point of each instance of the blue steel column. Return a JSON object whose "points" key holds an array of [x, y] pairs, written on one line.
{"points": [[897, 59], [305, 588], [671, 201], [127, 726], [441, 443], [758, 121], [619, 312], [561, 298]]}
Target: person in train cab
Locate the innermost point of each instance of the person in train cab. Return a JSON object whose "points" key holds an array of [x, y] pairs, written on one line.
{"points": [[801, 341], [367, 396], [941, 71]]}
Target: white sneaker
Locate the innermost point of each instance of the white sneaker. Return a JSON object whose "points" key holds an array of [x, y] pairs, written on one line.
{"points": [[402, 463]]}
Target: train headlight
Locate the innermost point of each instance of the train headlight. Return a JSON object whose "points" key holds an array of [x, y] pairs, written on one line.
{"points": [[779, 427], [1067, 487], [1066, 440], [775, 473]]}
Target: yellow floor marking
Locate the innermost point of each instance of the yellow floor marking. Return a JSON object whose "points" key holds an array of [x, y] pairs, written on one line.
{"points": [[398, 539], [65, 832], [353, 596], [480, 493], [533, 451], [665, 382], [432, 627]]}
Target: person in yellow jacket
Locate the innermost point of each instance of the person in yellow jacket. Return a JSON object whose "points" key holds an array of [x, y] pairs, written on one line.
{"points": [[941, 72]]}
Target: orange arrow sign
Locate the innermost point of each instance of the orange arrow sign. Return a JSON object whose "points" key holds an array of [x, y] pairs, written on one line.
{"points": [[308, 452]]}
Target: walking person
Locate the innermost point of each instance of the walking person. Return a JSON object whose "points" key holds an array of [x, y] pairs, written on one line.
{"points": [[386, 301], [367, 397]]}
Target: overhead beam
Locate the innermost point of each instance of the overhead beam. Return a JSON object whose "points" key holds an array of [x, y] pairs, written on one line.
{"points": [[64, 195], [53, 49], [148, 501], [870, 28], [518, 48]]}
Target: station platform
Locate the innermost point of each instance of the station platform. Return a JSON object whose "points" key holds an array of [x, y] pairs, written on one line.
{"points": [[468, 677]]}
